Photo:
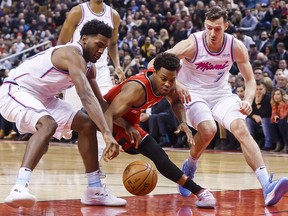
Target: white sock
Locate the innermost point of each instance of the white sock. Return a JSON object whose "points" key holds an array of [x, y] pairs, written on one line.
{"points": [[192, 162], [262, 176], [94, 179], [23, 176]]}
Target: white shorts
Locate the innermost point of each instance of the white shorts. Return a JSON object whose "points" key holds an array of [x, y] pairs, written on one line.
{"points": [[210, 107], [25, 109]]}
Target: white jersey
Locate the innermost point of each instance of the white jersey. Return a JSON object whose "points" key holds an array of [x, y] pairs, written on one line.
{"points": [[87, 14], [38, 75], [208, 71]]}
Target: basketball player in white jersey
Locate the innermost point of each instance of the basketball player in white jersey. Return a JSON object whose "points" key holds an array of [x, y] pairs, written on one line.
{"points": [[207, 57], [28, 98], [70, 32]]}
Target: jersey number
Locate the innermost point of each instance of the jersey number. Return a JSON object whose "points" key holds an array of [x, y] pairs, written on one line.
{"points": [[218, 77]]}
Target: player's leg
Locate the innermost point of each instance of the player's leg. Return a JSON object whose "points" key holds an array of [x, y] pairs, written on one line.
{"points": [[32, 117], [151, 149], [234, 121], [96, 193], [200, 117]]}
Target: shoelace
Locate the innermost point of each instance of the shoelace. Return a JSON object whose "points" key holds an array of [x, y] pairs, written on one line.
{"points": [[271, 177], [205, 194], [107, 191]]}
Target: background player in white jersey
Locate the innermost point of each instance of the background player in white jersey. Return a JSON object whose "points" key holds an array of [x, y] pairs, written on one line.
{"points": [[77, 17], [28, 97], [70, 32], [207, 57]]}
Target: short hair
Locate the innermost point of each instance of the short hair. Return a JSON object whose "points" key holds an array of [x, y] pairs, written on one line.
{"points": [[168, 61], [215, 13], [95, 27]]}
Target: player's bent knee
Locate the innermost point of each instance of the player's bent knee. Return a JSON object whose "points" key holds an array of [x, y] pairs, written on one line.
{"points": [[88, 126], [207, 131], [240, 131], [48, 124], [82, 123]]}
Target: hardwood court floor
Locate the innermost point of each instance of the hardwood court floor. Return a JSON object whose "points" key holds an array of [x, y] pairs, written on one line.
{"points": [[59, 181]]}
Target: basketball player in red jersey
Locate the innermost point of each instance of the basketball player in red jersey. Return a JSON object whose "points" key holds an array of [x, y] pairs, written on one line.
{"points": [[134, 95]]}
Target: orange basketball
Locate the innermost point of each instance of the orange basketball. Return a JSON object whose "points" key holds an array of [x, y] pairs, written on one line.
{"points": [[139, 178]]}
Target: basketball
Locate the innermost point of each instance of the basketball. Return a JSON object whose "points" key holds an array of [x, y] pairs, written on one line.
{"points": [[139, 178]]}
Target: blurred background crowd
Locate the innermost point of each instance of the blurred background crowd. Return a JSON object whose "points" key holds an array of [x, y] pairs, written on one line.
{"points": [[149, 27]]}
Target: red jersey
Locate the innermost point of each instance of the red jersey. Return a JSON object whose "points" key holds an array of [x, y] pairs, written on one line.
{"points": [[133, 114]]}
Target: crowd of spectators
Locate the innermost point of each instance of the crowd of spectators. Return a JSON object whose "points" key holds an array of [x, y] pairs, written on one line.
{"points": [[149, 27]]}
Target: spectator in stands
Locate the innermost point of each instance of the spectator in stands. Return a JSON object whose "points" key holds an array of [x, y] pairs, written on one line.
{"points": [[182, 7], [268, 83], [258, 122], [259, 13], [253, 53], [236, 18], [163, 35], [240, 80], [271, 66], [152, 34], [263, 41], [258, 74], [279, 104], [180, 32], [278, 74], [145, 49], [139, 62], [249, 22], [282, 38], [160, 123], [247, 40], [282, 83], [129, 23], [127, 63], [189, 28], [281, 52], [232, 82], [19, 45], [269, 50], [127, 39], [159, 46], [154, 24], [275, 25], [135, 49], [169, 43], [282, 64]]}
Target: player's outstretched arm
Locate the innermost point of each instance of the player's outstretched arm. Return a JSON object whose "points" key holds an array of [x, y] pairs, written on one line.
{"points": [[132, 94], [179, 111], [242, 59], [69, 58], [70, 24], [113, 47]]}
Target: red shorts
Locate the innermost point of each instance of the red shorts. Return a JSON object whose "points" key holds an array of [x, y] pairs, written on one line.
{"points": [[123, 139]]}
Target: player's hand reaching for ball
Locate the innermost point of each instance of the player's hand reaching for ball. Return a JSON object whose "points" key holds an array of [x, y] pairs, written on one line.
{"points": [[112, 148], [184, 127]]}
